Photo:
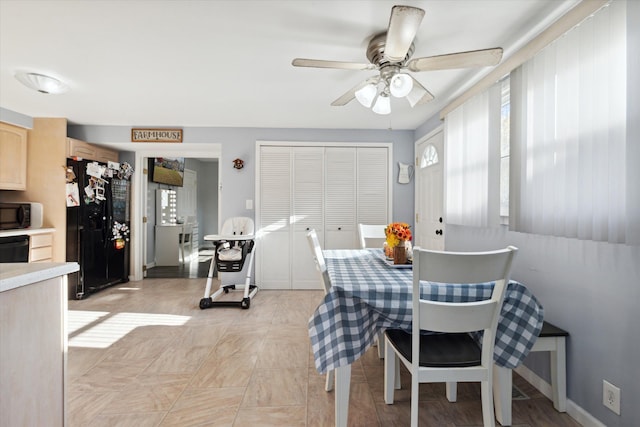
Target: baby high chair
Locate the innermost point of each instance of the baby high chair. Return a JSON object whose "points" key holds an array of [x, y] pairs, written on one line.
{"points": [[233, 246]]}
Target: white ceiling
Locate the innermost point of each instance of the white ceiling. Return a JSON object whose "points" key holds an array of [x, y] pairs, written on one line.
{"points": [[228, 63]]}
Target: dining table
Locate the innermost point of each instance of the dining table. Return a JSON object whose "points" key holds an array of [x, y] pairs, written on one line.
{"points": [[369, 294]]}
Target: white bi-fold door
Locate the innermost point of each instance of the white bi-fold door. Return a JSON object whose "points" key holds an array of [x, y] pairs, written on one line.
{"points": [[326, 188]]}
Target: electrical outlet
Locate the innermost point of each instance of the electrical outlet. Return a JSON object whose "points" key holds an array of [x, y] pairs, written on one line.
{"points": [[611, 396]]}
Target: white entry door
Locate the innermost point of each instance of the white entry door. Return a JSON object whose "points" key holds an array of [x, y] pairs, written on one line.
{"points": [[430, 191]]}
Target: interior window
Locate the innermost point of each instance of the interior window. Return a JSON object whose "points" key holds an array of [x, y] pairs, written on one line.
{"points": [[429, 156], [504, 151]]}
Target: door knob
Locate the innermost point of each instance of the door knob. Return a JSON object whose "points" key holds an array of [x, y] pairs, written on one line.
{"points": [[439, 232], [440, 220]]}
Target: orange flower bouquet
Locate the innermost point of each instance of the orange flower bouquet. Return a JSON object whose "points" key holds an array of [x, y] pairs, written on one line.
{"points": [[397, 233]]}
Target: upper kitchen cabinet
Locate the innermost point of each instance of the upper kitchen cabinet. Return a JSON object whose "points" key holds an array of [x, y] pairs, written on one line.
{"points": [[13, 157], [78, 148]]}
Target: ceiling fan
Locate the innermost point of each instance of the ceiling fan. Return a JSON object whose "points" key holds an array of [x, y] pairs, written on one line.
{"points": [[390, 53]]}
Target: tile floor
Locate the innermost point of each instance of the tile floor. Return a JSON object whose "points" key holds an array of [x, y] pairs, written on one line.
{"points": [[144, 354], [197, 266]]}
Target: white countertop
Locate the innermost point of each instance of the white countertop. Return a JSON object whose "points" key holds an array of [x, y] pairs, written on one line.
{"points": [[14, 275], [27, 231]]}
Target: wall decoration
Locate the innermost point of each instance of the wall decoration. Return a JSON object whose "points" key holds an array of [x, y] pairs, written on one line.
{"points": [[238, 163], [405, 173], [156, 135], [73, 194]]}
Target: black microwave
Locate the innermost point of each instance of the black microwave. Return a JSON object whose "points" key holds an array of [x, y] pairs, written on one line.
{"points": [[15, 215]]}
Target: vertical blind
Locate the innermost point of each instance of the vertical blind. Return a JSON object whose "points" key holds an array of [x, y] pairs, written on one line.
{"points": [[472, 133], [568, 133]]}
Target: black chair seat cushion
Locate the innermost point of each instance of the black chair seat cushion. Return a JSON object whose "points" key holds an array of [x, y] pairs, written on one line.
{"points": [[439, 350]]}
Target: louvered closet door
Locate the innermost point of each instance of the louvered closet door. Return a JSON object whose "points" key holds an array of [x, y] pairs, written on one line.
{"points": [[340, 198], [373, 186], [308, 188], [274, 248]]}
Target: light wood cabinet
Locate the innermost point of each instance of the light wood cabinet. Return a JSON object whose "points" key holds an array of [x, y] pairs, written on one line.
{"points": [[78, 148], [33, 334], [13, 157], [41, 247]]}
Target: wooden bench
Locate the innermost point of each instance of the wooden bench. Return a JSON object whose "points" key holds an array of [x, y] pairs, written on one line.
{"points": [[553, 340]]}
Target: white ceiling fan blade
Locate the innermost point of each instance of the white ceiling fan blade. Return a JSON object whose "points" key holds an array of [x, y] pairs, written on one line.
{"points": [[474, 58], [418, 95], [403, 27], [351, 93], [319, 63]]}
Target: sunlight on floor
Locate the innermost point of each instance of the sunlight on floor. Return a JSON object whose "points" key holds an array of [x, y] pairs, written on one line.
{"points": [[78, 319], [107, 331]]}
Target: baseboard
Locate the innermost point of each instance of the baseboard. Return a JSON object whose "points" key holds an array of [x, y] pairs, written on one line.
{"points": [[573, 410], [151, 265]]}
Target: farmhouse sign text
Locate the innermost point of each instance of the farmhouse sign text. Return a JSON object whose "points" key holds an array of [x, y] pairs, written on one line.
{"points": [[156, 135]]}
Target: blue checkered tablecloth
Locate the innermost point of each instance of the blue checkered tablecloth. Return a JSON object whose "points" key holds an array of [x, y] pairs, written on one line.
{"points": [[367, 296]]}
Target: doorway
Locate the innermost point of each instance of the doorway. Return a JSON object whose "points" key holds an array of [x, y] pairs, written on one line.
{"points": [[175, 247], [429, 191], [208, 154]]}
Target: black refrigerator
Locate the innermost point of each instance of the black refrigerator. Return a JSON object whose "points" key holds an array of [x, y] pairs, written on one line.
{"points": [[97, 226]]}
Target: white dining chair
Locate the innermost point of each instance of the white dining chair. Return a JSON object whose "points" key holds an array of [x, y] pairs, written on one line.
{"points": [[451, 355], [371, 236], [321, 266]]}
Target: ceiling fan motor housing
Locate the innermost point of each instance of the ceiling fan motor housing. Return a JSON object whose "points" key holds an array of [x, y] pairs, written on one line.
{"points": [[375, 51], [375, 54]]}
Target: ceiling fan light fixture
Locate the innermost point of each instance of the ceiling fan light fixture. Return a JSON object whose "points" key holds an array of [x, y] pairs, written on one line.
{"points": [[366, 95], [390, 53], [382, 104], [42, 83], [400, 85]]}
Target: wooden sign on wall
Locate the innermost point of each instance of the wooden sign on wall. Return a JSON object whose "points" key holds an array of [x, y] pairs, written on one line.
{"points": [[156, 135]]}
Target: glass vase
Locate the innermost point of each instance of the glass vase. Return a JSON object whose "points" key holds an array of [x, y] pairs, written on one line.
{"points": [[399, 254]]}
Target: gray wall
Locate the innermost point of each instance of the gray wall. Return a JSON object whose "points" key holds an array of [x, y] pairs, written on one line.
{"points": [[14, 118], [207, 195], [208, 200], [239, 186], [151, 220], [591, 289]]}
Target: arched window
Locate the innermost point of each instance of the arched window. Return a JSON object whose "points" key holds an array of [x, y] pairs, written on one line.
{"points": [[429, 156]]}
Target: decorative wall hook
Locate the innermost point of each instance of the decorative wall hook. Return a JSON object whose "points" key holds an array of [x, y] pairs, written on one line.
{"points": [[238, 164]]}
